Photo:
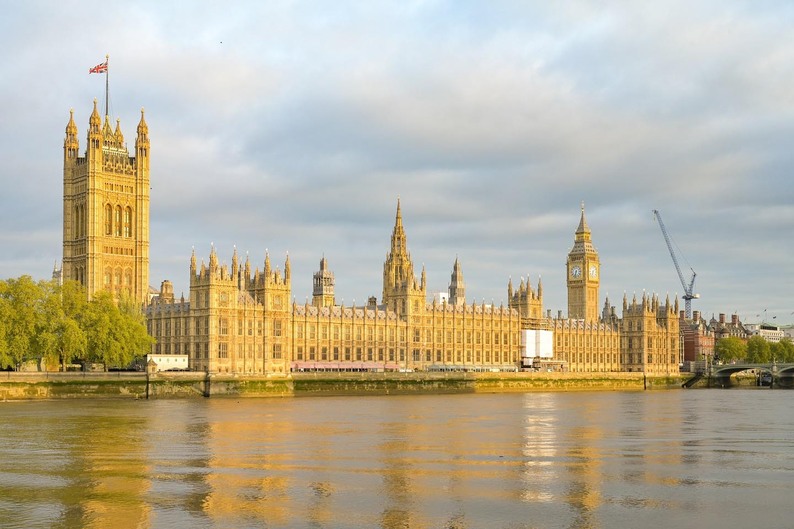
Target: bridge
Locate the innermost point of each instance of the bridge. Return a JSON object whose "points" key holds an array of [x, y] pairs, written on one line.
{"points": [[775, 374]]}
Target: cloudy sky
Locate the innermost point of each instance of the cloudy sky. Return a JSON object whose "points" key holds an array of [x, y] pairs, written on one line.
{"points": [[295, 126]]}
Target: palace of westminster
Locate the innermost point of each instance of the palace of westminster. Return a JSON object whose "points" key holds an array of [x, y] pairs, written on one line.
{"points": [[240, 319]]}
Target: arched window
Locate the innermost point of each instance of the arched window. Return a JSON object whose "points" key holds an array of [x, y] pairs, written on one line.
{"points": [[117, 279], [128, 222], [108, 219], [118, 221], [76, 222], [107, 277]]}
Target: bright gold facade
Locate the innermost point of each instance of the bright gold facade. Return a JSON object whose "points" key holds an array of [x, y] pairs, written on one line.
{"points": [[106, 209], [239, 320]]}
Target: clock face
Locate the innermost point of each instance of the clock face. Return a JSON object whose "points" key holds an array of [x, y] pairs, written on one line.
{"points": [[576, 271], [593, 271]]}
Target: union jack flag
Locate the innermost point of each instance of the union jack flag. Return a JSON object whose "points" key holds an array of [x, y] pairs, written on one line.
{"points": [[99, 68]]}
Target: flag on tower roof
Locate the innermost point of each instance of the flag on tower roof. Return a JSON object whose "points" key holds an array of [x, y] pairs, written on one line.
{"points": [[99, 68]]}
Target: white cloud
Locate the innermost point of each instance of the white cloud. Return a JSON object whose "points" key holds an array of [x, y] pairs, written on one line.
{"points": [[295, 127]]}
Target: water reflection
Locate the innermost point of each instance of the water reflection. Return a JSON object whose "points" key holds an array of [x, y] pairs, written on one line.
{"points": [[578, 461]]}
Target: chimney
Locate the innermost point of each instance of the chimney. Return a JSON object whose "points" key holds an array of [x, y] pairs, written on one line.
{"points": [[722, 318], [735, 319], [696, 315]]}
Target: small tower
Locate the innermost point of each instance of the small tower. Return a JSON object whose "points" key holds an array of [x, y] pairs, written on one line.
{"points": [[528, 302], [323, 292], [457, 288]]}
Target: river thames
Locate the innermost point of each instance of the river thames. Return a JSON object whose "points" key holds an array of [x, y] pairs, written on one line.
{"points": [[579, 460]]}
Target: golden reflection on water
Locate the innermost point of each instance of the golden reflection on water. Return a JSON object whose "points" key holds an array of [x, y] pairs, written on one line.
{"points": [[581, 461], [106, 473]]}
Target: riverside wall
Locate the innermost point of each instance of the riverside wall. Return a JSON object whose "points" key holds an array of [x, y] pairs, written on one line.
{"points": [[54, 385]]}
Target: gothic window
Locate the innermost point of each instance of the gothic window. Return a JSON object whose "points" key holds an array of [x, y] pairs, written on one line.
{"points": [[117, 278], [277, 350], [127, 279], [107, 277], [277, 328], [128, 222], [108, 219], [223, 350], [223, 326], [336, 353], [358, 353], [118, 221]]}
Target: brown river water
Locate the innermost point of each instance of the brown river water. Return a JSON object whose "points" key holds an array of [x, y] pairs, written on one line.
{"points": [[579, 460]]}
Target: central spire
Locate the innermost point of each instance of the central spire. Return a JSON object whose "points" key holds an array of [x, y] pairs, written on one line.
{"points": [[583, 230], [398, 242]]}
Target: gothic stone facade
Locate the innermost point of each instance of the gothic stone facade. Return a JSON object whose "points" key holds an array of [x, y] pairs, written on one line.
{"points": [[243, 321], [646, 339], [106, 209]]}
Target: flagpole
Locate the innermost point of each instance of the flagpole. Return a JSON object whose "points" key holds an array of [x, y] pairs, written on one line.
{"points": [[107, 83]]}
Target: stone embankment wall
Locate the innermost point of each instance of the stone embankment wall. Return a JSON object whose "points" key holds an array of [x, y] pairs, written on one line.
{"points": [[23, 386]]}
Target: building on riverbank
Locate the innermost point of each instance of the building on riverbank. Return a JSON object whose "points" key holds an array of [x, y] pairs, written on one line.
{"points": [[243, 320], [106, 209]]}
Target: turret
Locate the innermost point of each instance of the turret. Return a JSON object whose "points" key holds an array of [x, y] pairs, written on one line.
{"points": [[323, 291], [71, 144], [193, 263], [94, 149], [142, 145], [213, 261], [457, 287]]}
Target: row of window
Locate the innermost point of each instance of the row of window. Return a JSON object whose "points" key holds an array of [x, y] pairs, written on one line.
{"points": [[113, 278], [78, 221], [382, 354], [118, 221]]}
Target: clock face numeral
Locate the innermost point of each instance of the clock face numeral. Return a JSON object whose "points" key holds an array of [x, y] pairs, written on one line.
{"points": [[593, 271], [576, 271]]}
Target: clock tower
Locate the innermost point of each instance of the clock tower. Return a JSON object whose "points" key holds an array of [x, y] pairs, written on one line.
{"points": [[583, 275]]}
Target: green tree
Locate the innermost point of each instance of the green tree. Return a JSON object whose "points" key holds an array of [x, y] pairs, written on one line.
{"points": [[136, 340], [5, 357], [116, 334], [783, 351], [22, 302], [758, 351], [60, 337], [730, 348]]}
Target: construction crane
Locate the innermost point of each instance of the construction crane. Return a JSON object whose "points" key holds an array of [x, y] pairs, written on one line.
{"points": [[688, 287]]}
